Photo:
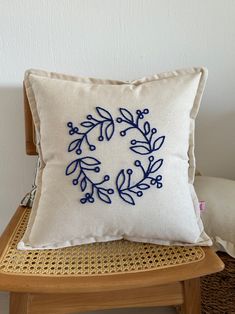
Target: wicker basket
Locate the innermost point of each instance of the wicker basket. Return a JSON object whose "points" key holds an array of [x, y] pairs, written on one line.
{"points": [[218, 290]]}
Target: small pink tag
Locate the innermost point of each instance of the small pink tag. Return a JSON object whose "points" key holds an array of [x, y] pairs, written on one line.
{"points": [[202, 205]]}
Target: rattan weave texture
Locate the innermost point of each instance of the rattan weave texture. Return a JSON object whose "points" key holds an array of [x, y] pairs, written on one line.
{"points": [[92, 259]]}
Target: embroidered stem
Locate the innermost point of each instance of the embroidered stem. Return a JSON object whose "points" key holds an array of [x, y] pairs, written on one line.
{"points": [[123, 181], [90, 124], [138, 146], [89, 164]]}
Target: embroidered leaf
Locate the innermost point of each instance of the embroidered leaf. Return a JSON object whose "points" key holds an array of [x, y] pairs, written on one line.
{"points": [[121, 178], [143, 186], [156, 165], [87, 124], [140, 149], [90, 161], [127, 198], [71, 168], [83, 184], [109, 130], [158, 142], [103, 196], [104, 113], [146, 127], [126, 114], [73, 145]]}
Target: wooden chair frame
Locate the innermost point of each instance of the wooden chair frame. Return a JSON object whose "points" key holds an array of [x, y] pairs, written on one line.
{"points": [[179, 285]]}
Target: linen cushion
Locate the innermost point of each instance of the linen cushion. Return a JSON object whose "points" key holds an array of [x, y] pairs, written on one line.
{"points": [[116, 159], [219, 215]]}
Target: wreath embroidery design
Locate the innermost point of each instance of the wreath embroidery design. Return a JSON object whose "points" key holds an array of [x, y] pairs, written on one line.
{"points": [[144, 145]]}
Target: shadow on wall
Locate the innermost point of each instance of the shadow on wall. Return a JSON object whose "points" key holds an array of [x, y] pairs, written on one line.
{"points": [[215, 144], [16, 169]]}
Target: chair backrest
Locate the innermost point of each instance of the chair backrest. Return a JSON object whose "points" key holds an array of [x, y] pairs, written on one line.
{"points": [[29, 127]]}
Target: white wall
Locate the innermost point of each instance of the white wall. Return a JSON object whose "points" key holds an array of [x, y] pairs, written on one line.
{"points": [[121, 39]]}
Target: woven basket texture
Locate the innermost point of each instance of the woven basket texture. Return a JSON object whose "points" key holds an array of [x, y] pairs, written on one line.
{"points": [[218, 290]]}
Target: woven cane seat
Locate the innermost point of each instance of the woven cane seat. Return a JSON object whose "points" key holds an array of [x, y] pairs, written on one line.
{"points": [[92, 259]]}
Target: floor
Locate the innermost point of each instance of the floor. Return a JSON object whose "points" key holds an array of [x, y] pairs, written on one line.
{"points": [[4, 300]]}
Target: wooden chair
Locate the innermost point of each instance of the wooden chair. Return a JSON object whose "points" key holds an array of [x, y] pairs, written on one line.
{"points": [[173, 278]]}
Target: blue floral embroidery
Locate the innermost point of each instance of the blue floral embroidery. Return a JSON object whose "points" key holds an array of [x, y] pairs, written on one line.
{"points": [[105, 124], [106, 130], [125, 187], [148, 144], [83, 166]]}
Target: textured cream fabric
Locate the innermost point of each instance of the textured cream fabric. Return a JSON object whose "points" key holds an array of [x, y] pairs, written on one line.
{"points": [[167, 212], [219, 215]]}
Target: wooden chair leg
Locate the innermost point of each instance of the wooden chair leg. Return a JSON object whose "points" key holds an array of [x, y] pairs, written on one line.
{"points": [[192, 297], [18, 303]]}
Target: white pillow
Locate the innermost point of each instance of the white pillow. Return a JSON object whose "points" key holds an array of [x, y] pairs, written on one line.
{"points": [[219, 215], [117, 159]]}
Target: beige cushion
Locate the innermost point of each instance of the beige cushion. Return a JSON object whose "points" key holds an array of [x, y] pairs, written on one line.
{"points": [[117, 159], [219, 215]]}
